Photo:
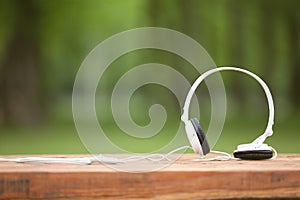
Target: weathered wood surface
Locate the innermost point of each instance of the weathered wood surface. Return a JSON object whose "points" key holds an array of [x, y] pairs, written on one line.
{"points": [[184, 179]]}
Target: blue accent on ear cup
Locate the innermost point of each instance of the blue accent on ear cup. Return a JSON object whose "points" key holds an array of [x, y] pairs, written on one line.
{"points": [[201, 136]]}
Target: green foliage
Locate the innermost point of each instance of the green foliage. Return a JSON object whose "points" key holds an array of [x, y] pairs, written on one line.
{"points": [[261, 36]]}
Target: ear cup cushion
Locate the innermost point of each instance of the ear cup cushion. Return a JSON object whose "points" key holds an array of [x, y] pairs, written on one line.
{"points": [[254, 155], [201, 136]]}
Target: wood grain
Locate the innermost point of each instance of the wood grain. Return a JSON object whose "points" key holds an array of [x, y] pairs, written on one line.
{"points": [[184, 179]]}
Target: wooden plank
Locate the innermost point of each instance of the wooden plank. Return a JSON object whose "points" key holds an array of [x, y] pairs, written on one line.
{"points": [[184, 179]]}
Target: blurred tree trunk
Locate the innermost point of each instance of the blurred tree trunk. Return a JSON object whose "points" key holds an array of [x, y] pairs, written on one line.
{"points": [[20, 98], [236, 54], [295, 44]]}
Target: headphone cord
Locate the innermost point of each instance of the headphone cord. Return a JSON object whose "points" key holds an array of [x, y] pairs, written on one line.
{"points": [[224, 156], [97, 158], [111, 160]]}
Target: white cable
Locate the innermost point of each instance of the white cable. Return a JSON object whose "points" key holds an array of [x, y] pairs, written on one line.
{"points": [[152, 156], [79, 161], [225, 156], [275, 154], [111, 160], [98, 158]]}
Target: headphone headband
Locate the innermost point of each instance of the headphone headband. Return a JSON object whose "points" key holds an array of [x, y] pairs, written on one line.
{"points": [[268, 131]]}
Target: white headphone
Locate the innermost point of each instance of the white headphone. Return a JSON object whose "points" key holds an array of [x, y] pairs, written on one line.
{"points": [[196, 136]]}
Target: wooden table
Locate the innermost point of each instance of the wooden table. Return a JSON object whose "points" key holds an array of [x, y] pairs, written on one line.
{"points": [[184, 179]]}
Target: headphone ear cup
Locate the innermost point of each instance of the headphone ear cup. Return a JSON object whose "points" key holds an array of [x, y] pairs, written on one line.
{"points": [[254, 154], [201, 136]]}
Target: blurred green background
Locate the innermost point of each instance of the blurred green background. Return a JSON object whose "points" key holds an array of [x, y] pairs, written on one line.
{"points": [[43, 42]]}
